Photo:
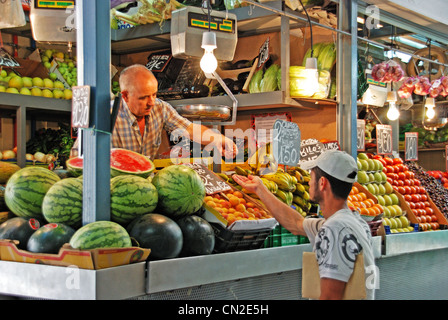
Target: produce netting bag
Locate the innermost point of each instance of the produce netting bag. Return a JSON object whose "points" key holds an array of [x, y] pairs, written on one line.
{"points": [[12, 14]]}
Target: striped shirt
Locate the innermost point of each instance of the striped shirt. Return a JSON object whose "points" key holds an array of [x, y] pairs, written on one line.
{"points": [[127, 134]]}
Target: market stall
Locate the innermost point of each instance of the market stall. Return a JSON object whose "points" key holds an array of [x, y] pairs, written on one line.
{"points": [[244, 253]]}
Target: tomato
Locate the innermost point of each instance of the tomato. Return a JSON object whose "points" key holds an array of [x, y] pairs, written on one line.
{"points": [[406, 168], [429, 210], [427, 204], [389, 179], [408, 198], [422, 190], [401, 190], [422, 219], [389, 161], [434, 218], [416, 197], [400, 182], [397, 161], [416, 182], [407, 190], [390, 169], [380, 159], [399, 168], [419, 219], [401, 175], [424, 197], [412, 205], [435, 225]]}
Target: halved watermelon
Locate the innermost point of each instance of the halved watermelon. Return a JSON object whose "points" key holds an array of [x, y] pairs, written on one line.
{"points": [[122, 161]]}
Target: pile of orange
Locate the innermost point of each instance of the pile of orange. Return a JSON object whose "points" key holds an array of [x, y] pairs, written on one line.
{"points": [[358, 200], [233, 206]]}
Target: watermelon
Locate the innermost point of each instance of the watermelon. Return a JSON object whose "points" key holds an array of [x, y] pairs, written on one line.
{"points": [[100, 234], [122, 161], [20, 229], [159, 233], [50, 238], [26, 189], [198, 236], [181, 190], [63, 203], [130, 197]]}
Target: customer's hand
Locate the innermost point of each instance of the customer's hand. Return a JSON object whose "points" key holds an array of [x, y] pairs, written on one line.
{"points": [[250, 183]]}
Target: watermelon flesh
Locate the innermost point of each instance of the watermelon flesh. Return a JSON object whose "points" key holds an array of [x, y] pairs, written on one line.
{"points": [[122, 161]]}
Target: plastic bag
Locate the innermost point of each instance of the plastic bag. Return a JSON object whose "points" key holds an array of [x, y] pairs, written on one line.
{"points": [[12, 14]]}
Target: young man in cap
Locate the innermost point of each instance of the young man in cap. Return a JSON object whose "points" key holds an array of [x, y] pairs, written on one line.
{"points": [[340, 235]]}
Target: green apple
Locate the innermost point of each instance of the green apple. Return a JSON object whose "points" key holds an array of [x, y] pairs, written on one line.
{"points": [[38, 82], [58, 94], [67, 94], [59, 55], [364, 165], [16, 82], [392, 211], [371, 164], [25, 91], [27, 82], [2, 89], [48, 53], [47, 93], [12, 90], [45, 59], [3, 73], [58, 85], [371, 177], [53, 76], [47, 65], [48, 83], [36, 92]]}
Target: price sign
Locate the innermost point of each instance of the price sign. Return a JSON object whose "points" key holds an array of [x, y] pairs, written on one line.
{"points": [[331, 145], [286, 140], [263, 54], [80, 106], [7, 60], [411, 146], [212, 183], [310, 149], [361, 135], [383, 139], [158, 62]]}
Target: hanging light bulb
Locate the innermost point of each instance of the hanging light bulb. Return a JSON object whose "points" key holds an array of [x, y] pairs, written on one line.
{"points": [[393, 113], [430, 105], [312, 76], [208, 61]]}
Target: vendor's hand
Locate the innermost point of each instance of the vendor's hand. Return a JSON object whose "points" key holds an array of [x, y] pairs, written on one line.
{"points": [[250, 183], [230, 148]]}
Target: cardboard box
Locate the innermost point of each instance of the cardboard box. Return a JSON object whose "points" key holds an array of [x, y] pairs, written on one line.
{"points": [[31, 68], [94, 259]]}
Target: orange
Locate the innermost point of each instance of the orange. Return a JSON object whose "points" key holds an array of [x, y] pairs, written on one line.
{"points": [[364, 211], [238, 194], [234, 201], [240, 207], [355, 190]]}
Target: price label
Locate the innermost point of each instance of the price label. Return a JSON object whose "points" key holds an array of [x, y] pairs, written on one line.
{"points": [[158, 62], [263, 54], [411, 146], [361, 135], [309, 150], [383, 139], [212, 183], [80, 106], [286, 140], [7, 60], [331, 145]]}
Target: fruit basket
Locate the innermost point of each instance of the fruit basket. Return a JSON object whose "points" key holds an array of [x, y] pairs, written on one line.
{"points": [[238, 240]]}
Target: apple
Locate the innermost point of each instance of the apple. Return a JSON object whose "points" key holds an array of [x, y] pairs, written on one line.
{"points": [[58, 94], [3, 73], [36, 92], [12, 90], [47, 93], [48, 83], [2, 89], [38, 82], [48, 53], [58, 85], [16, 82], [27, 82], [67, 94], [25, 91], [53, 76]]}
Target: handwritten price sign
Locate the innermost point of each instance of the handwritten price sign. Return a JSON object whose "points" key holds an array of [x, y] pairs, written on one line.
{"points": [[361, 135], [286, 139], [411, 146], [80, 106], [212, 183], [384, 139]]}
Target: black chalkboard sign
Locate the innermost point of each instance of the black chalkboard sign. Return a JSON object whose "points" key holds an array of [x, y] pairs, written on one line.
{"points": [[213, 184], [361, 135], [158, 61], [263, 54], [411, 146], [383, 139], [80, 106], [309, 150], [286, 141]]}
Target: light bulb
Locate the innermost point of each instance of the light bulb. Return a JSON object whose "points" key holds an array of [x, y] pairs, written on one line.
{"points": [[208, 62], [430, 112], [393, 113]]}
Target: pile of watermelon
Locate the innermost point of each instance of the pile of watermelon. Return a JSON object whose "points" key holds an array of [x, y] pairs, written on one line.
{"points": [[159, 212]]}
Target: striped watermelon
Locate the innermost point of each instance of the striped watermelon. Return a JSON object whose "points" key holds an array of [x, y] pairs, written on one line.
{"points": [[131, 196], [181, 190], [63, 203], [100, 234], [26, 189], [122, 161]]}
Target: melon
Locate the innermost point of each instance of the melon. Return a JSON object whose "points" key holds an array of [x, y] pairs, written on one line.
{"points": [[159, 233], [20, 229], [198, 236], [26, 189], [100, 234], [131, 196], [181, 191], [7, 170], [50, 238], [122, 161], [63, 203]]}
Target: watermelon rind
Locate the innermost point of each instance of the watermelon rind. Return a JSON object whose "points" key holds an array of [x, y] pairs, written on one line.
{"points": [[63, 202], [122, 161], [100, 234], [131, 196], [181, 190], [26, 190]]}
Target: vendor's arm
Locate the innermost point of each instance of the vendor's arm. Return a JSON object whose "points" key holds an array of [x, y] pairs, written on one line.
{"points": [[224, 145], [285, 215]]}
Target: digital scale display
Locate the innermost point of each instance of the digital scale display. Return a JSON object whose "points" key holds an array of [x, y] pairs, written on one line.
{"points": [[197, 20], [47, 4]]}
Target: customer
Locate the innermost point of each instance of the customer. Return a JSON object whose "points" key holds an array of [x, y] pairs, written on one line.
{"points": [[340, 235], [142, 118]]}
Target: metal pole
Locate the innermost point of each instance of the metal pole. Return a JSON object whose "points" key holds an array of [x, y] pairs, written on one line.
{"points": [[93, 47]]}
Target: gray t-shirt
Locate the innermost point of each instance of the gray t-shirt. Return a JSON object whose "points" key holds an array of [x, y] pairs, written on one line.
{"points": [[336, 242]]}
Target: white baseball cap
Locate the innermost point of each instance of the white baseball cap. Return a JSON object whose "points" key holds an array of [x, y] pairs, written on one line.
{"points": [[336, 163]]}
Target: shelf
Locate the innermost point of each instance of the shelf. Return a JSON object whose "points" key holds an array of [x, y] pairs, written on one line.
{"points": [[11, 100]]}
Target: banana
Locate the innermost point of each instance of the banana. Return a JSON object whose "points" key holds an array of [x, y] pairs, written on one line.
{"points": [[241, 171], [286, 196], [281, 181], [300, 189], [223, 176]]}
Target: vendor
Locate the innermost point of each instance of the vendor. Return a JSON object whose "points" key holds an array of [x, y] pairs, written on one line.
{"points": [[340, 235], [142, 118]]}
